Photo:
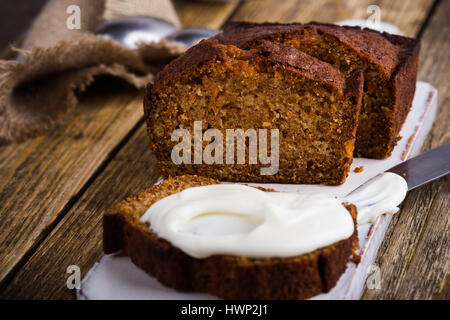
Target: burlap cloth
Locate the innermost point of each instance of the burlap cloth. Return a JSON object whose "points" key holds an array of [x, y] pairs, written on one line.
{"points": [[55, 64]]}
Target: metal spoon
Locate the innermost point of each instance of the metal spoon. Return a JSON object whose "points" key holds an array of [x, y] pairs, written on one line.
{"points": [[132, 30]]}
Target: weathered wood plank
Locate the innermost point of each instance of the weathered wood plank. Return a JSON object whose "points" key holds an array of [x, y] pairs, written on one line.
{"points": [[77, 240], [40, 177], [407, 15], [430, 261], [414, 257], [199, 14]]}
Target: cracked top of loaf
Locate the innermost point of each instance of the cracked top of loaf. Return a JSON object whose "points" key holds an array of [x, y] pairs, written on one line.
{"points": [[265, 53], [385, 50]]}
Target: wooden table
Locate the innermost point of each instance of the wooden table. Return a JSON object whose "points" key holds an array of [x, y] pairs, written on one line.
{"points": [[55, 188]]}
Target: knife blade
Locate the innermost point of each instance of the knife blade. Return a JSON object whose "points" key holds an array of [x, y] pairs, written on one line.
{"points": [[424, 168]]}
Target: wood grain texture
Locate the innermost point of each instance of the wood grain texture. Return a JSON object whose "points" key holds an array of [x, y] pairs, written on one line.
{"points": [[407, 15], [77, 240], [40, 176], [414, 257], [43, 177], [199, 14]]}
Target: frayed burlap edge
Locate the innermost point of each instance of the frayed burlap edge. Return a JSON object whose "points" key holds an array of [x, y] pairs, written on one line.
{"points": [[40, 89]]}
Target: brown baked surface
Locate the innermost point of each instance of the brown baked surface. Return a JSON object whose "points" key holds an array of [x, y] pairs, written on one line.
{"points": [[227, 277], [314, 106], [389, 63]]}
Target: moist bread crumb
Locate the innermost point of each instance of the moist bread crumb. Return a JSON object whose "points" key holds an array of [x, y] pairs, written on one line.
{"points": [[228, 277], [359, 169], [313, 106], [389, 63]]}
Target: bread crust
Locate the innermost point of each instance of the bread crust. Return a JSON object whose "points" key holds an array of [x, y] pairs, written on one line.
{"points": [[371, 44], [396, 57], [227, 277], [286, 60], [212, 50]]}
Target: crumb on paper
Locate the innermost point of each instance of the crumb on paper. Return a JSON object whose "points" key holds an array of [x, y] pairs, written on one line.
{"points": [[359, 169]]}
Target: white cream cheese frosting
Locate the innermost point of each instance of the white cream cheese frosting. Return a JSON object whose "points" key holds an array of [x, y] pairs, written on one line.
{"points": [[232, 219], [380, 195]]}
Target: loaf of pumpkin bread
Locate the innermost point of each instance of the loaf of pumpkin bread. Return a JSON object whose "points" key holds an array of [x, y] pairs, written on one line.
{"points": [[307, 109], [389, 63]]}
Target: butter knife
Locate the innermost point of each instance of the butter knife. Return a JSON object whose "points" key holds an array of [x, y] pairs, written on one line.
{"points": [[386, 191], [425, 168]]}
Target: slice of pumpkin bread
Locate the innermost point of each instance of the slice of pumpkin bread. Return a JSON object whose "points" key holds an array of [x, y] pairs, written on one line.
{"points": [[310, 105], [228, 277]]}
